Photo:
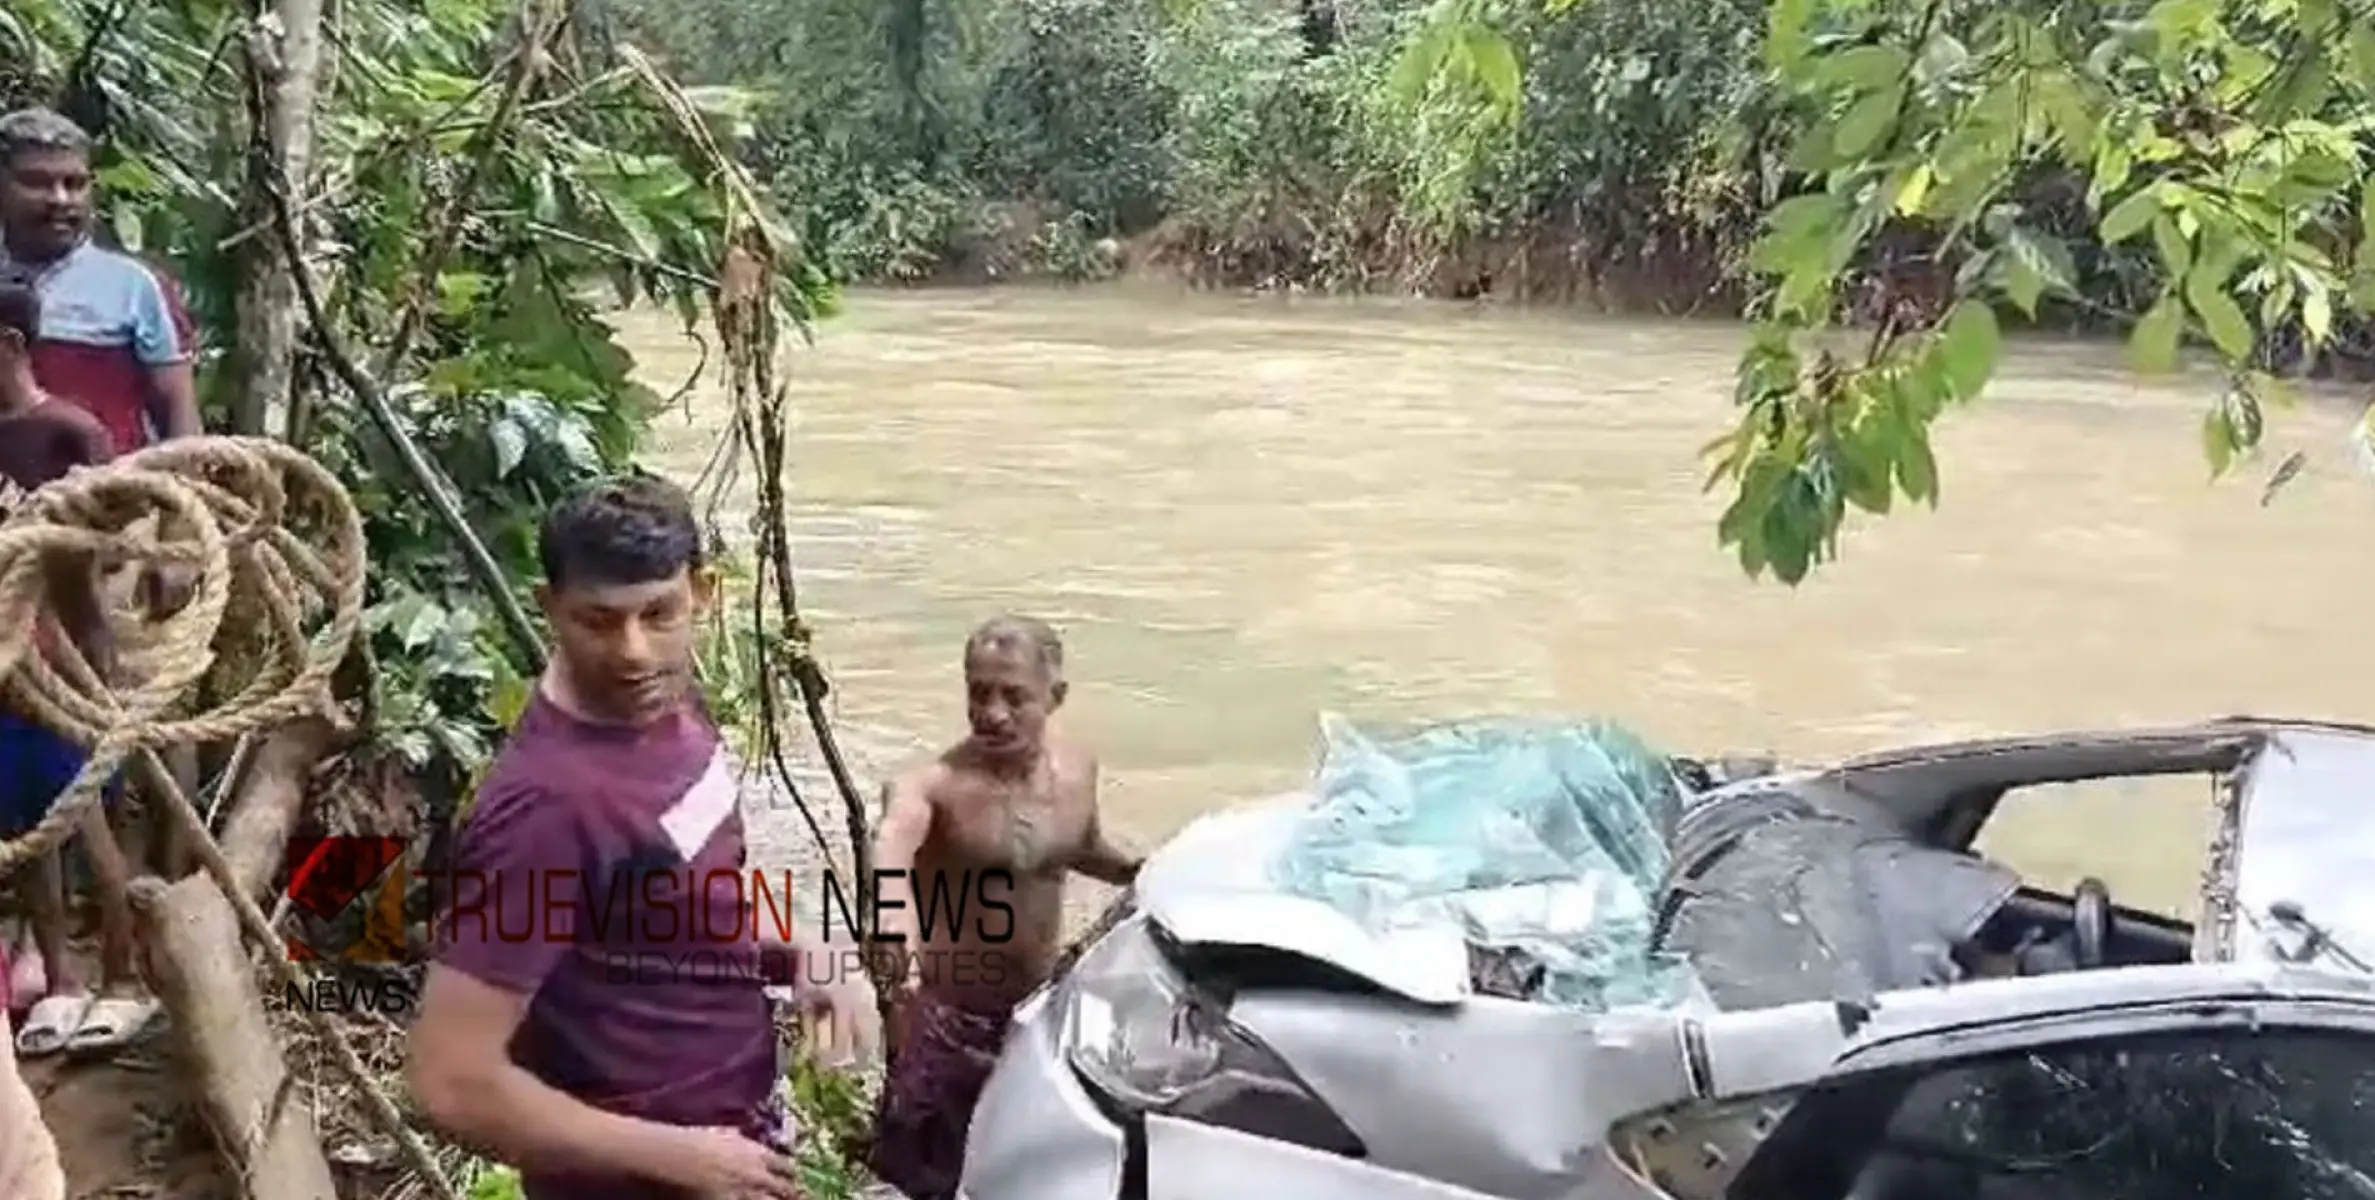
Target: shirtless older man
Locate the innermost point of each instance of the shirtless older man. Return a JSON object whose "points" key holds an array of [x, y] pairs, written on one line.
{"points": [[1008, 811]]}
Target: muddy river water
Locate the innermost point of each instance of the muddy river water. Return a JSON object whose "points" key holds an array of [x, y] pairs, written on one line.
{"points": [[1241, 512]]}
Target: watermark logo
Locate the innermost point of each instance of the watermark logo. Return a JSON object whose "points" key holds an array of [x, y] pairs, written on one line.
{"points": [[346, 897], [350, 900]]}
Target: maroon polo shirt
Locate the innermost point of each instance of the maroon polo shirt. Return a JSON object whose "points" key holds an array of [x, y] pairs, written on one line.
{"points": [[602, 872]]}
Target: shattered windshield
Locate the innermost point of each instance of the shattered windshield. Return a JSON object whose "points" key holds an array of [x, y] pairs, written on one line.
{"points": [[1543, 842], [2302, 872], [2278, 1114]]}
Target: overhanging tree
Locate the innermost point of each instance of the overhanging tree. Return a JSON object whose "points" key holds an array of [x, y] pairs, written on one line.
{"points": [[2230, 137]]}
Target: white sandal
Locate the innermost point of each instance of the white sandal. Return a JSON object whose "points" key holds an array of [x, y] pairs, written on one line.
{"points": [[112, 1022], [54, 1023]]}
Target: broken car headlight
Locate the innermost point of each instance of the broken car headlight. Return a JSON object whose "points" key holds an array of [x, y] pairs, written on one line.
{"points": [[1149, 1040]]}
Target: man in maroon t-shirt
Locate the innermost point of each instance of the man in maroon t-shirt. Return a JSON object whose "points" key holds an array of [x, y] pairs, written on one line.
{"points": [[614, 1050]]}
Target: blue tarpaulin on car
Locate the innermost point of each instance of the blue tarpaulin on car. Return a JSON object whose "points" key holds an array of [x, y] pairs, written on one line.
{"points": [[1543, 840]]}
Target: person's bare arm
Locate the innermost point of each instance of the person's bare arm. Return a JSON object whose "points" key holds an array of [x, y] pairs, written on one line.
{"points": [[462, 1073], [1100, 858], [165, 339], [807, 966], [173, 401], [59, 439], [829, 989], [906, 823]]}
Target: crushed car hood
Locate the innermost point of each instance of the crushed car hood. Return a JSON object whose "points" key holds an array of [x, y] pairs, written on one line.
{"points": [[1211, 885]]}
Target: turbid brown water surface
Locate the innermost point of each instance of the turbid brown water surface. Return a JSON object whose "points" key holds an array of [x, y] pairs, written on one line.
{"points": [[1244, 511]]}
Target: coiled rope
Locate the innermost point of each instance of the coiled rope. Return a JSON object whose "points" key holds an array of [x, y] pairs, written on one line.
{"points": [[276, 542]]}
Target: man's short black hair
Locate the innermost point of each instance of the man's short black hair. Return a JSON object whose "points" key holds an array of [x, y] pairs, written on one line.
{"points": [[20, 305], [626, 530]]}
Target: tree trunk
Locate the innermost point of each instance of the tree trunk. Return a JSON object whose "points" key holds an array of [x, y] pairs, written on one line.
{"points": [[283, 72], [198, 965]]}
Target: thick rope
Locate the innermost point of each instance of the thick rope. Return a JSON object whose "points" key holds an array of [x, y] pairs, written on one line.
{"points": [[275, 540], [233, 507]]}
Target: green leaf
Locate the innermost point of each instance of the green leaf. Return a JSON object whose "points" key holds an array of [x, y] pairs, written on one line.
{"points": [[2364, 259], [2152, 347], [2113, 164], [1495, 63], [2218, 440], [2063, 104], [2023, 285], [2308, 79], [2359, 59], [1804, 216], [2221, 317], [1865, 467], [1791, 528], [1864, 68], [2176, 249], [422, 628], [1915, 190], [1422, 59], [2130, 216], [2317, 313], [2181, 21], [1917, 470], [1968, 346], [511, 446], [1786, 22], [1867, 122], [729, 102]]}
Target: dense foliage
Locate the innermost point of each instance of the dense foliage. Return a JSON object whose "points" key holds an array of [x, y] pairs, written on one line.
{"points": [[1250, 141], [429, 209], [485, 179]]}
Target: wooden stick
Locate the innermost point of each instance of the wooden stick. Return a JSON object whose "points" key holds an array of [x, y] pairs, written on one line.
{"points": [[258, 928], [197, 964]]}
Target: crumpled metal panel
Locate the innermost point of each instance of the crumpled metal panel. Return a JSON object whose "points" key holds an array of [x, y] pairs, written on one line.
{"points": [[1817, 907]]}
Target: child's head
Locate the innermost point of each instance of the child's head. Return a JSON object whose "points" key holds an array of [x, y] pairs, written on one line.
{"points": [[20, 313], [20, 321]]}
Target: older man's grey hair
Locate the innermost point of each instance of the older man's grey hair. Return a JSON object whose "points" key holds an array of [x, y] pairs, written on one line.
{"points": [[32, 130], [1013, 634]]}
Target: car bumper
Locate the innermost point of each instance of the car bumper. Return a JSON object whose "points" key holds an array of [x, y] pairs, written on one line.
{"points": [[1187, 1161], [1036, 1134]]}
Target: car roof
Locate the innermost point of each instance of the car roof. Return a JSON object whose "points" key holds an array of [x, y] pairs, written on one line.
{"points": [[1750, 1050], [1916, 786]]}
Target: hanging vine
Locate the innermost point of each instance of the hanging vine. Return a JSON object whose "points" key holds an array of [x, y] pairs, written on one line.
{"points": [[756, 298]]}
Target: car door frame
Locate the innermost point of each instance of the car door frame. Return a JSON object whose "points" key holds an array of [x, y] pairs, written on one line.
{"points": [[2220, 751], [1741, 1101], [1915, 1057]]}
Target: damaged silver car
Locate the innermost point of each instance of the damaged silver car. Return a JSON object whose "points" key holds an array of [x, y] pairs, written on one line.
{"points": [[1802, 985]]}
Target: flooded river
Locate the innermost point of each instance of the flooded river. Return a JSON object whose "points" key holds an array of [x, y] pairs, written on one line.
{"points": [[1242, 512]]}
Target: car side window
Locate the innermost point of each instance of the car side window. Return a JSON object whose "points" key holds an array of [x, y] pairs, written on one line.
{"points": [[2226, 1114], [2145, 837]]}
